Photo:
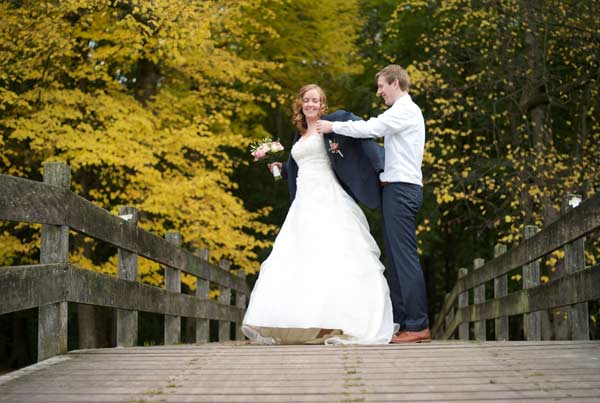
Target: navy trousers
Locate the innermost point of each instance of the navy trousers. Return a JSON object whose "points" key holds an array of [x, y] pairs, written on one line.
{"points": [[401, 203]]}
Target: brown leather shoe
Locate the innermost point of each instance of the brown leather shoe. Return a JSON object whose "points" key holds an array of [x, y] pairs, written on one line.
{"points": [[422, 336]]}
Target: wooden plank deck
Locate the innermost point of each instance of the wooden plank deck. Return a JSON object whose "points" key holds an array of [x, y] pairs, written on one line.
{"points": [[240, 372]]}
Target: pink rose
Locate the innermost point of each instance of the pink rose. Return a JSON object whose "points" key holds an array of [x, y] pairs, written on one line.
{"points": [[276, 146], [267, 148], [259, 153]]}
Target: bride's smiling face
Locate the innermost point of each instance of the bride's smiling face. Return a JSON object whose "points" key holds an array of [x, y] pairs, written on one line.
{"points": [[311, 104]]}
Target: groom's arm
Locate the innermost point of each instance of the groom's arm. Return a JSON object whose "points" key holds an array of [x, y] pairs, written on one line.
{"points": [[361, 129], [324, 125], [387, 123]]}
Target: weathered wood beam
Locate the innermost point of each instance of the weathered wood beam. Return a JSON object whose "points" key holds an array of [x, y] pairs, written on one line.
{"points": [[576, 326], [224, 299], [479, 328], [463, 302], [52, 330], [26, 287], [172, 330], [500, 290], [127, 320], [240, 302], [569, 227], [532, 322], [89, 287], [54, 244], [573, 225], [202, 292], [578, 287], [24, 200]]}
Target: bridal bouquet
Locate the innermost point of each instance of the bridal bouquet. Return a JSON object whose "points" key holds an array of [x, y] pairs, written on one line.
{"points": [[269, 151]]}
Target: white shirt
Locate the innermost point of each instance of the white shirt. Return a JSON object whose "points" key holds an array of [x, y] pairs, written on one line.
{"points": [[403, 127]]}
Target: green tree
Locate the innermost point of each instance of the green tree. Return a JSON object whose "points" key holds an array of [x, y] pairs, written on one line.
{"points": [[510, 94]]}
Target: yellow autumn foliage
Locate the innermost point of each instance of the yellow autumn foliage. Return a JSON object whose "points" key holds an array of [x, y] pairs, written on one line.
{"points": [[145, 101], [152, 104]]}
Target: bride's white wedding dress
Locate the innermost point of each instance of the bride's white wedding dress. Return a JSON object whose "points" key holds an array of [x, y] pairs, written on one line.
{"points": [[324, 270]]}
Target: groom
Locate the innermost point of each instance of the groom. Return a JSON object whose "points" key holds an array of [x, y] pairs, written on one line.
{"points": [[403, 127]]}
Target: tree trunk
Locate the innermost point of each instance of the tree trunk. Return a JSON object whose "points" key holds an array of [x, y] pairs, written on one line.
{"points": [[535, 102], [146, 80]]}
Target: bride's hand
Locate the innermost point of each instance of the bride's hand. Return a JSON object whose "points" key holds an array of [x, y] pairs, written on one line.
{"points": [[278, 164]]}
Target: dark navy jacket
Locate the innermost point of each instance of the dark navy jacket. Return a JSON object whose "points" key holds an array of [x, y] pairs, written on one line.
{"points": [[358, 171]]}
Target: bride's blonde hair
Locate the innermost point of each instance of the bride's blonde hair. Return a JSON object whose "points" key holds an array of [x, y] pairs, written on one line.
{"points": [[299, 118]]}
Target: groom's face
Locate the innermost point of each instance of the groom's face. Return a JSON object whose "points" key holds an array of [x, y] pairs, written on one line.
{"points": [[387, 91]]}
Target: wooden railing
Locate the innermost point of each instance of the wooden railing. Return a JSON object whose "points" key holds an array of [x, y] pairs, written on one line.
{"points": [[557, 309], [52, 284]]}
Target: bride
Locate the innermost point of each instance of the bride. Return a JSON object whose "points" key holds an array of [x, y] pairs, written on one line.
{"points": [[323, 281]]}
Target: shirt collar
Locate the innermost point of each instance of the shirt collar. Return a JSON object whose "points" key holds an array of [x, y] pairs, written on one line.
{"points": [[403, 99]]}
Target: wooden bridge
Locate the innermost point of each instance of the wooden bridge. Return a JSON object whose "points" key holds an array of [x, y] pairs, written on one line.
{"points": [[557, 362], [436, 372]]}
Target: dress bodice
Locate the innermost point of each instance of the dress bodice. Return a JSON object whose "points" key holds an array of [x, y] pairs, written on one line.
{"points": [[311, 157]]}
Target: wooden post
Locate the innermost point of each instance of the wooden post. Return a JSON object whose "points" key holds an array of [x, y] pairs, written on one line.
{"points": [[202, 292], [479, 298], [173, 283], [463, 302], [54, 248], [531, 278], [500, 290], [577, 315], [225, 299], [450, 314], [52, 330], [127, 320], [240, 302]]}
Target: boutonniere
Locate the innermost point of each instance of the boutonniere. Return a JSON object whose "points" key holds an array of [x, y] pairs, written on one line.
{"points": [[334, 148]]}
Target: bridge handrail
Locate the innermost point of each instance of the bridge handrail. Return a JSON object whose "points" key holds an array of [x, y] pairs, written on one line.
{"points": [[575, 224], [24, 200], [54, 283]]}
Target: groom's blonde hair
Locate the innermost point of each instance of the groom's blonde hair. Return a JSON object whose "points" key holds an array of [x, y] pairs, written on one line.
{"points": [[394, 72]]}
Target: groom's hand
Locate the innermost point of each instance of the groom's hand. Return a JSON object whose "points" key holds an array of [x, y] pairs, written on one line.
{"points": [[324, 126]]}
